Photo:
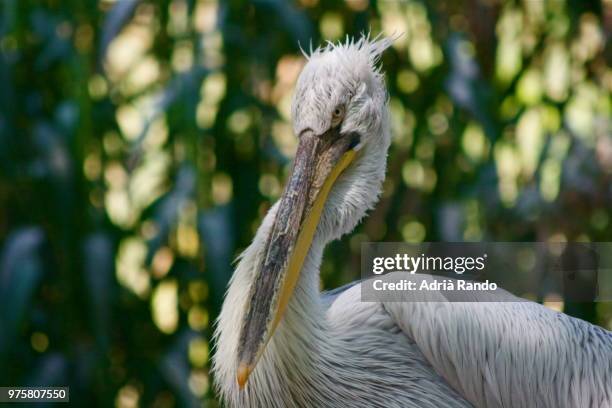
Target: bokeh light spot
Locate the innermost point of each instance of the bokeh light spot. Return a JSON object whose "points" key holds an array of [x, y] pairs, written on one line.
{"points": [[331, 26], [39, 341], [164, 306]]}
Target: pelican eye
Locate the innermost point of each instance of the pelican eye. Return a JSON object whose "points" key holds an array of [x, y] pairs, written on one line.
{"points": [[337, 115]]}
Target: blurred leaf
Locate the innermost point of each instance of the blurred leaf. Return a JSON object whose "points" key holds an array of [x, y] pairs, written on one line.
{"points": [[114, 22], [216, 231], [293, 20], [51, 371], [21, 269], [99, 259], [167, 208], [175, 368]]}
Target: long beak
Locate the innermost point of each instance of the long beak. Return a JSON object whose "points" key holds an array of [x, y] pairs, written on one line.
{"points": [[319, 161]]}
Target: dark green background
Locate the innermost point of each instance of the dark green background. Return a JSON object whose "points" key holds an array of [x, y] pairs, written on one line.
{"points": [[127, 187]]}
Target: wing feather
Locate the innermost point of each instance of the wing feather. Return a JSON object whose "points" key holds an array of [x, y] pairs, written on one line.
{"points": [[511, 354]]}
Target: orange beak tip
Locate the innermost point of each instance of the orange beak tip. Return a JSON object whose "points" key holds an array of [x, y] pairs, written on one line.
{"points": [[243, 375]]}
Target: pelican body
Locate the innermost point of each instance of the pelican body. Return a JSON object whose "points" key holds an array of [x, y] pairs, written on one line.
{"points": [[280, 342]]}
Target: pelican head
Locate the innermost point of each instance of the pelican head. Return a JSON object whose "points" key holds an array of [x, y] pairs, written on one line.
{"points": [[339, 116]]}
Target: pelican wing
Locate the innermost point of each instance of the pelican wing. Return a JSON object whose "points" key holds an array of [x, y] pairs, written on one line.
{"points": [[510, 354]]}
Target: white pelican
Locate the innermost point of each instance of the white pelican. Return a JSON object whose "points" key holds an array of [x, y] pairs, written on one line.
{"points": [[299, 348]]}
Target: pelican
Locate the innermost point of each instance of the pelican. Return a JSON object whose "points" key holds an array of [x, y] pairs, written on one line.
{"points": [[280, 342]]}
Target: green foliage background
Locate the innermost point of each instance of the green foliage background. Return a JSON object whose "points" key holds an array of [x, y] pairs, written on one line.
{"points": [[141, 143]]}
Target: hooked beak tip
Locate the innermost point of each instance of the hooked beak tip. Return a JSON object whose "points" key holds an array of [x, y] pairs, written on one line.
{"points": [[242, 375]]}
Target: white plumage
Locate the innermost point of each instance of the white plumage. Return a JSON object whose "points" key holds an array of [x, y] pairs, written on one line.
{"points": [[336, 351]]}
